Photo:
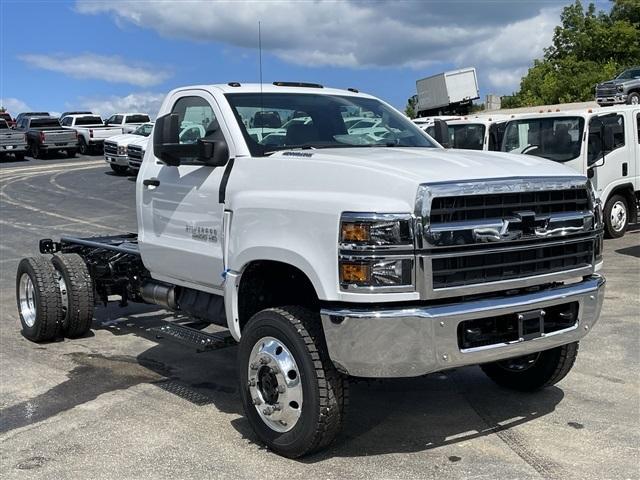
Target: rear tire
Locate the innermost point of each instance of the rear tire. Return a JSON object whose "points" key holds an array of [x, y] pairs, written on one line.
{"points": [[616, 216], [119, 169], [38, 297], [314, 412], [533, 372], [36, 152], [83, 147], [76, 289]]}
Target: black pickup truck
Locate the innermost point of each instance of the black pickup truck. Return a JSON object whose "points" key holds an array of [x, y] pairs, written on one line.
{"points": [[44, 135]]}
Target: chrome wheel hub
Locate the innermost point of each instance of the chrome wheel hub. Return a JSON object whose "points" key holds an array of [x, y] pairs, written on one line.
{"points": [[618, 216], [27, 294], [274, 384], [635, 100], [64, 294]]}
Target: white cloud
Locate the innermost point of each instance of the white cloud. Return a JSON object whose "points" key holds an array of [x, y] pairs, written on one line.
{"points": [[145, 102], [14, 105], [488, 35], [90, 66]]}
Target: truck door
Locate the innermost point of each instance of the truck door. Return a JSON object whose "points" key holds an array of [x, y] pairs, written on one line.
{"points": [[636, 160], [180, 218], [619, 164]]}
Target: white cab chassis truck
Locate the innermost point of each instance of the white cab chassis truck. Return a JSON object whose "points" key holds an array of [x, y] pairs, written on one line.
{"points": [[328, 254], [602, 143]]}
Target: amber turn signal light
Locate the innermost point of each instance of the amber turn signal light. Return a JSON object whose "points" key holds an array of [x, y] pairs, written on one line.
{"points": [[355, 272]]}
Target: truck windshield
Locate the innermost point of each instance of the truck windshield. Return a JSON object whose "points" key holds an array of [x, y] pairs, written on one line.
{"points": [[554, 138], [88, 121], [469, 136], [629, 74], [281, 121], [144, 130], [3, 124], [44, 122]]}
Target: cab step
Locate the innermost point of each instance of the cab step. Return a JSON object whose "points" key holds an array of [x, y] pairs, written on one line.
{"points": [[203, 341]]}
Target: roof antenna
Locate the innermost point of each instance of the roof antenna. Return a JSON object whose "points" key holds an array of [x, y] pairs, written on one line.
{"points": [[260, 68]]}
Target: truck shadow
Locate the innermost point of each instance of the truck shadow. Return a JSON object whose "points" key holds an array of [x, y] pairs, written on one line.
{"points": [[385, 416], [388, 416]]}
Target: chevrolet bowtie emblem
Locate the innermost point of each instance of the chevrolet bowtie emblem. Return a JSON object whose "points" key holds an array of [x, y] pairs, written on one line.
{"points": [[529, 222]]}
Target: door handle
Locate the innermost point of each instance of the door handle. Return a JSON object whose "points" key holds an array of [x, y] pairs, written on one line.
{"points": [[151, 182]]}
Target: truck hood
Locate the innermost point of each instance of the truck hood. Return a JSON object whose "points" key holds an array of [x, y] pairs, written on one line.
{"points": [[125, 139], [617, 82], [431, 165], [138, 140]]}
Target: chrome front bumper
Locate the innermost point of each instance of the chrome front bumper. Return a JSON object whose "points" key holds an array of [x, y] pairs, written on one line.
{"points": [[408, 342], [122, 160], [616, 99]]}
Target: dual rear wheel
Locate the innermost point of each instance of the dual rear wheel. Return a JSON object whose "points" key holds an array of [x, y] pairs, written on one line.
{"points": [[55, 297]]}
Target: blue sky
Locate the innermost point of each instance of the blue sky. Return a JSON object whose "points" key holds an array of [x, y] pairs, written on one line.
{"points": [[125, 55]]}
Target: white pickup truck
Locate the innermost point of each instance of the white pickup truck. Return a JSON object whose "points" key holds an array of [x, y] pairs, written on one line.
{"points": [[91, 131], [127, 121], [115, 148], [333, 254]]}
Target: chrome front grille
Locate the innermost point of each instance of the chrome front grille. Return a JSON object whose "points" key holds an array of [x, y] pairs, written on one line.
{"points": [[476, 237], [484, 267], [505, 205], [606, 91], [135, 153], [110, 148]]}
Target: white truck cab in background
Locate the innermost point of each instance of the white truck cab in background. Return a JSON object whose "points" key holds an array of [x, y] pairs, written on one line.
{"points": [[127, 121], [602, 143]]}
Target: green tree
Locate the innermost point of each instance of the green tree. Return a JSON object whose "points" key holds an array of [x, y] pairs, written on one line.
{"points": [[410, 109], [588, 47]]}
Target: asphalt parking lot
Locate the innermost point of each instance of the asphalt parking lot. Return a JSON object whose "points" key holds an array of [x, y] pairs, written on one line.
{"points": [[122, 403]]}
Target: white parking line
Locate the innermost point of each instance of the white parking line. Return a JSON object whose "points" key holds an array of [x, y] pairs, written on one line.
{"points": [[52, 167]]}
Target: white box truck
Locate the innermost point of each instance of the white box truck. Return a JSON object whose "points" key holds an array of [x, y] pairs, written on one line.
{"points": [[447, 92]]}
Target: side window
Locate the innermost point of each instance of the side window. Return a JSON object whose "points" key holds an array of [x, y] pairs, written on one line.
{"points": [[615, 123], [197, 120], [66, 122]]}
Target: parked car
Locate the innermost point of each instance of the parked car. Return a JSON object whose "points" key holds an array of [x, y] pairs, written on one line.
{"points": [[6, 116], [23, 115], [601, 143], [91, 131], [127, 121], [115, 148], [625, 88], [12, 142], [45, 135], [336, 255]]}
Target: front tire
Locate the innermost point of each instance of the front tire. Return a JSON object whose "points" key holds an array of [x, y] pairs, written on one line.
{"points": [[38, 297], [293, 396], [533, 372], [633, 98], [76, 291], [616, 216]]}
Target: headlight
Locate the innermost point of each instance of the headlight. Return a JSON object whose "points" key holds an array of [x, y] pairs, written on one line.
{"points": [[376, 272], [376, 252], [376, 230], [122, 150], [620, 88]]}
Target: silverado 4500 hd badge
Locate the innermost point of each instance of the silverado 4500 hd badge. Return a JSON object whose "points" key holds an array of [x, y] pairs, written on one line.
{"points": [[205, 234]]}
